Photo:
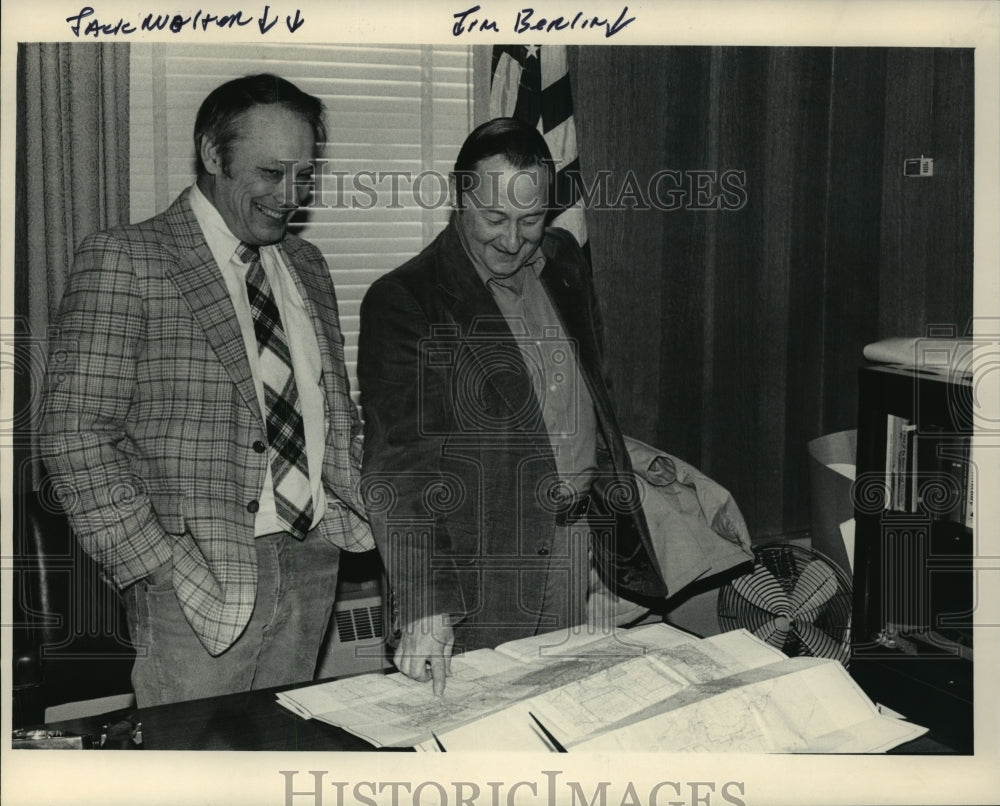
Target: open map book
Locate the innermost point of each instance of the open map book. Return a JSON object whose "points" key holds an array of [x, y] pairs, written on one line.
{"points": [[651, 689]]}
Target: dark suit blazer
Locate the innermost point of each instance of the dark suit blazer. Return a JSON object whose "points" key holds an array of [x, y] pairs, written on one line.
{"points": [[458, 466], [151, 426]]}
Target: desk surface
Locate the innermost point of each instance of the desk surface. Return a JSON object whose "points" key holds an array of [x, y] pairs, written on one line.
{"points": [[251, 720], [254, 720]]}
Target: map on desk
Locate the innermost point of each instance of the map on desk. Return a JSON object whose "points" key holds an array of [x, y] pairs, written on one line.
{"points": [[651, 689]]}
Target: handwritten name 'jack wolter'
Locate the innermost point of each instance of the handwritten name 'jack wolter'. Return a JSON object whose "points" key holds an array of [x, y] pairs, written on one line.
{"points": [[87, 23]]}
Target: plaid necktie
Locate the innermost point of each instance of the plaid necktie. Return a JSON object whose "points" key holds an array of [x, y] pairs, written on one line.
{"points": [[283, 411]]}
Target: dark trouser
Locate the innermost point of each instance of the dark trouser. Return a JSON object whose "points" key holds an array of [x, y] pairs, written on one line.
{"points": [[296, 582]]}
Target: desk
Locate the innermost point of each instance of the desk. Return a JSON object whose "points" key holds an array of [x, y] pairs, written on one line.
{"points": [[254, 720], [251, 720]]}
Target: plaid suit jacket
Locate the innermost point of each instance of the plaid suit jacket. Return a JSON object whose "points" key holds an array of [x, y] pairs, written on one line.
{"points": [[150, 417]]}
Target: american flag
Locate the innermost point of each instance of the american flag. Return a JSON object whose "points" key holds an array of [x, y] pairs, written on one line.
{"points": [[531, 83]]}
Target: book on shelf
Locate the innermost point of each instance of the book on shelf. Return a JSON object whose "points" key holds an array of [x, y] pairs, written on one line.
{"points": [[899, 437], [970, 495], [928, 471], [651, 688]]}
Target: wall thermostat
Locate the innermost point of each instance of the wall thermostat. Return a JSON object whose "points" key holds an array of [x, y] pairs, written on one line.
{"points": [[918, 166]]}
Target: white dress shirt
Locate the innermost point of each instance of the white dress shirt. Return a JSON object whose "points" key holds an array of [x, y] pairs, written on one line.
{"points": [[302, 344]]}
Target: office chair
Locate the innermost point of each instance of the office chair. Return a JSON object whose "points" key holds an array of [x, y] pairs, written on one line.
{"points": [[70, 642]]}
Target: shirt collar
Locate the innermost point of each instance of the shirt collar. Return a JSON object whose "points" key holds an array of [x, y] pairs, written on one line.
{"points": [[218, 236], [220, 240]]}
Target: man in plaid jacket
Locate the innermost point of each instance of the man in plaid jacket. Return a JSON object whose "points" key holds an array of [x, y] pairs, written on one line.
{"points": [[162, 429]]}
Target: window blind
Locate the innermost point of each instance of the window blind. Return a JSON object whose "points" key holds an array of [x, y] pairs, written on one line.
{"points": [[391, 108]]}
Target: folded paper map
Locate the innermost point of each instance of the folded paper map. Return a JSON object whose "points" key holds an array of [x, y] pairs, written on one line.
{"points": [[651, 688]]}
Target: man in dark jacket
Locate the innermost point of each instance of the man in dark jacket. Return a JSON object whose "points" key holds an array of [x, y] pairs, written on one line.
{"points": [[494, 470]]}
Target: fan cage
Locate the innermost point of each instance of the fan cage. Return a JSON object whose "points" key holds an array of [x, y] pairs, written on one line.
{"points": [[786, 562]]}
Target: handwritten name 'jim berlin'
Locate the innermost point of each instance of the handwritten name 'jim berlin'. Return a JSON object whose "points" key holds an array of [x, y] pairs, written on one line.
{"points": [[527, 20]]}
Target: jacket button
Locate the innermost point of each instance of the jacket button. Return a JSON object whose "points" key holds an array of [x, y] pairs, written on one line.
{"points": [[543, 551], [259, 447], [253, 506]]}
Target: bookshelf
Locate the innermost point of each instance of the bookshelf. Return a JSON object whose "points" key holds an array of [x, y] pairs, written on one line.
{"points": [[913, 582]]}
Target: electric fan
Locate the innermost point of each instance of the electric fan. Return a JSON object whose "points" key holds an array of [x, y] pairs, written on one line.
{"points": [[795, 599]]}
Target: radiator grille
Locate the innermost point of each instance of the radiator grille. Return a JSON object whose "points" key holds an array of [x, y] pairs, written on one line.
{"points": [[358, 624]]}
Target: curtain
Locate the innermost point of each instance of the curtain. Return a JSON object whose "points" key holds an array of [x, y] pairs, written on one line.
{"points": [[734, 336], [72, 180]]}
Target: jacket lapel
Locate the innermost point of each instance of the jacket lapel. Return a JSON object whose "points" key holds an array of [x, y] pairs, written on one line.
{"points": [[474, 310], [314, 284], [199, 280]]}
